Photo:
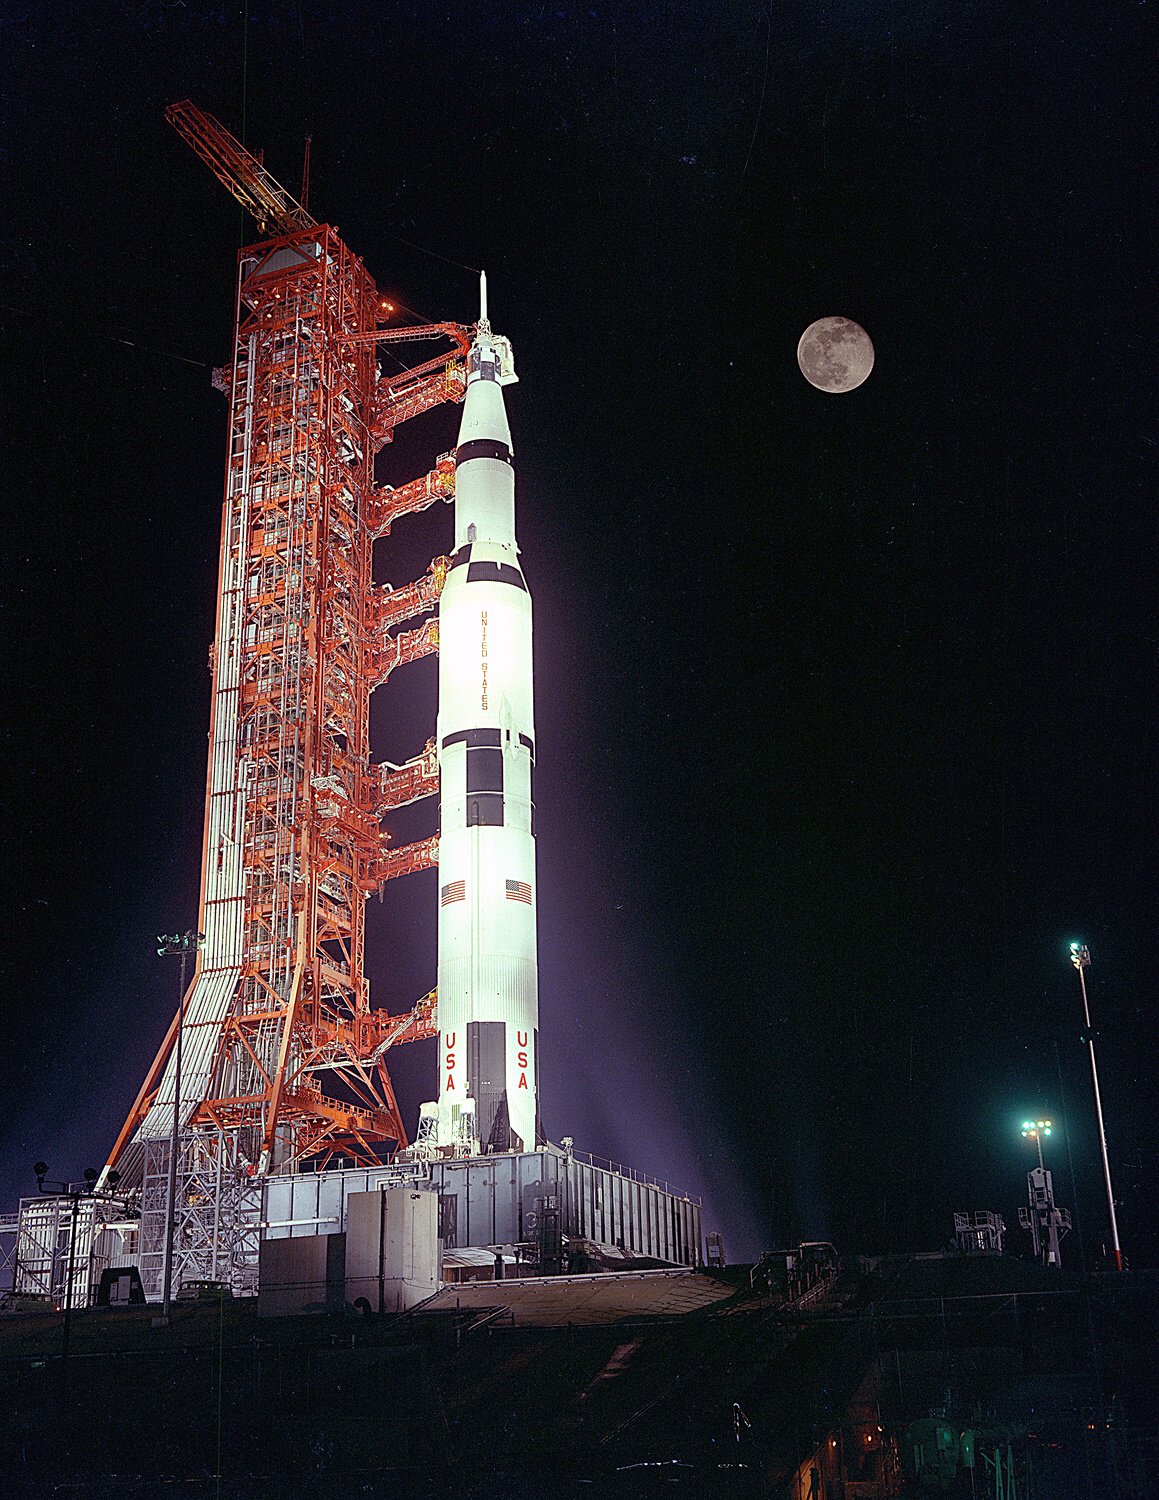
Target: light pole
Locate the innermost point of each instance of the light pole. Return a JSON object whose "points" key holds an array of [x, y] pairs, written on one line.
{"points": [[1034, 1130], [1042, 1216], [1080, 956], [183, 944], [74, 1194]]}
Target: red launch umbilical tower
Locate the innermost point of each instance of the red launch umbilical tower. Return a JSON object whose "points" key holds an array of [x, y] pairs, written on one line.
{"points": [[283, 1061]]}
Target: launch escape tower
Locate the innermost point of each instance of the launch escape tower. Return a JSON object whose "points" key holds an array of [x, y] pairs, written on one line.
{"points": [[283, 1059]]}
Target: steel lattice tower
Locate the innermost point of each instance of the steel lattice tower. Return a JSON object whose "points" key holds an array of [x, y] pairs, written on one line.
{"points": [[283, 1059]]}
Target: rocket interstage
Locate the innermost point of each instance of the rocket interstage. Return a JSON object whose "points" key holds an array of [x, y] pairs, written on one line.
{"points": [[488, 1009]]}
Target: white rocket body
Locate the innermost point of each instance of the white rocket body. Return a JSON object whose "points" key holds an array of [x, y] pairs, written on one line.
{"points": [[488, 1007]]}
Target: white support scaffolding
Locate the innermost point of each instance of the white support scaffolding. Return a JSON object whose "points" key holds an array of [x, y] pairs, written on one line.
{"points": [[217, 1215], [105, 1235]]}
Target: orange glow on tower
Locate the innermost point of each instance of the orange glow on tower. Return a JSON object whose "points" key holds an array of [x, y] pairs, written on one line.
{"points": [[284, 1061]]}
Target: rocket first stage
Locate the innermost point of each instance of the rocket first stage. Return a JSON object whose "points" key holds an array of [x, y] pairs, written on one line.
{"points": [[488, 1007]]}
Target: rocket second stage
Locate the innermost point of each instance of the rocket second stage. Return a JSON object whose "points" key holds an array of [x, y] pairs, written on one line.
{"points": [[488, 1007]]}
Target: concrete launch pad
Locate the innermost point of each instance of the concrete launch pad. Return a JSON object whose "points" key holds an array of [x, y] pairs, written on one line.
{"points": [[496, 1231], [506, 1199], [500, 1200], [547, 1212]]}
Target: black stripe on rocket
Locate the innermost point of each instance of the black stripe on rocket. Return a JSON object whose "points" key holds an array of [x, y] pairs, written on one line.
{"points": [[485, 774], [485, 737], [474, 737], [484, 448], [495, 572], [487, 1073], [486, 572], [484, 786]]}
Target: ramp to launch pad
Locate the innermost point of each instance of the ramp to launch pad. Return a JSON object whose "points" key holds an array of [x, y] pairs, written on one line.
{"points": [[579, 1301]]}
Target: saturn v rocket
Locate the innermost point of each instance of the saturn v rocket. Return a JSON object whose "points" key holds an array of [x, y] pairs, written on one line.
{"points": [[488, 1008]]}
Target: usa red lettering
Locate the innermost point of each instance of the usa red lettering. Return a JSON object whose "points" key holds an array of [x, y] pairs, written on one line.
{"points": [[522, 1084]]}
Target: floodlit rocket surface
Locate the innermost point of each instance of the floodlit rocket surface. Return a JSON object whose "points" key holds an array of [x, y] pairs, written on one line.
{"points": [[488, 1009]]}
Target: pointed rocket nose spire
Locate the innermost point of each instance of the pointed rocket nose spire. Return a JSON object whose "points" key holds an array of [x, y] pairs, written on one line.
{"points": [[490, 357], [483, 321]]}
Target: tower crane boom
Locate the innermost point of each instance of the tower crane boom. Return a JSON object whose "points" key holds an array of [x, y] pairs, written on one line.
{"points": [[241, 172]]}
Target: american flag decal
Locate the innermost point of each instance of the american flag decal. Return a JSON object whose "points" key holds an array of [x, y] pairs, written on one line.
{"points": [[519, 890], [455, 890]]}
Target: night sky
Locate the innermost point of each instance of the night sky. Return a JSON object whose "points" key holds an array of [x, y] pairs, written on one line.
{"points": [[845, 704]]}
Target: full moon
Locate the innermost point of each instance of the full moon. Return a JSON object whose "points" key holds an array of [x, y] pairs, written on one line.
{"points": [[835, 354]]}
